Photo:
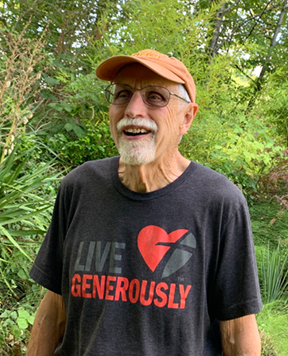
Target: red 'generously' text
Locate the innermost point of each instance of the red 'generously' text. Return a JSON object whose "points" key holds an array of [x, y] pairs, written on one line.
{"points": [[121, 289]]}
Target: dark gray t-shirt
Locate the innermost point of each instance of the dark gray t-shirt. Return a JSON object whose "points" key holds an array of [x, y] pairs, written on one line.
{"points": [[148, 274]]}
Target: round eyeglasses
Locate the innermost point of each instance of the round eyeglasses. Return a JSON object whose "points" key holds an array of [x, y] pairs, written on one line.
{"points": [[153, 96]]}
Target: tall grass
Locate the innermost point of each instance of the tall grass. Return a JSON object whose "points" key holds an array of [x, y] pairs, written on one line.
{"points": [[275, 276]]}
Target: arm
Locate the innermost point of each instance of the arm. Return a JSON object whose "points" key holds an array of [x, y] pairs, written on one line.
{"points": [[240, 337], [48, 327]]}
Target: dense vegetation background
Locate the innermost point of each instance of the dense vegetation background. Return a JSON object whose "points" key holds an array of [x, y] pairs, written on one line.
{"points": [[53, 117]]}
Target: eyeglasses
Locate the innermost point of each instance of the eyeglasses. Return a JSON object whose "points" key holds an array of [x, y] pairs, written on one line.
{"points": [[153, 95]]}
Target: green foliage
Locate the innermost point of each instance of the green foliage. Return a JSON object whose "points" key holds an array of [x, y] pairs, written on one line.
{"points": [[274, 183], [225, 136], [79, 98], [25, 211], [273, 326], [94, 143], [237, 147], [19, 77], [16, 319], [78, 129], [21, 204], [269, 224], [275, 276], [16, 323], [273, 103]]}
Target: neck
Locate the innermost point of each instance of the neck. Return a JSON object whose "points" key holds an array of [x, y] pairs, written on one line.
{"points": [[152, 176]]}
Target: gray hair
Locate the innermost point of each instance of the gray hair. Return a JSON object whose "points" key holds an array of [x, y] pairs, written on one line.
{"points": [[183, 92]]}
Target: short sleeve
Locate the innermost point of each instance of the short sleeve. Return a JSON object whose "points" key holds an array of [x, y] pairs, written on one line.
{"points": [[236, 289], [47, 268]]}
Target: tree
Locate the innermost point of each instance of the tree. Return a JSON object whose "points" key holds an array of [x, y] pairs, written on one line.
{"points": [[267, 60]]}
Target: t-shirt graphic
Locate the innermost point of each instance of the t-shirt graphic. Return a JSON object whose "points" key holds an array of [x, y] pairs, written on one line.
{"points": [[110, 284], [154, 242]]}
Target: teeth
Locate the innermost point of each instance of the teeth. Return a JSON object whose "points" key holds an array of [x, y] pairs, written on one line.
{"points": [[136, 131]]}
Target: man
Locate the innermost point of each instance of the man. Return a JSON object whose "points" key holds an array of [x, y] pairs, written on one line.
{"points": [[149, 254]]}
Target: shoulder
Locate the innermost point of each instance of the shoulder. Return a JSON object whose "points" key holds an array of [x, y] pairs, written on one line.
{"points": [[215, 195], [92, 176], [91, 170], [214, 182]]}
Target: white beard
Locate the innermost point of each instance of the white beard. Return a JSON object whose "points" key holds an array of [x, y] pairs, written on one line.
{"points": [[137, 152]]}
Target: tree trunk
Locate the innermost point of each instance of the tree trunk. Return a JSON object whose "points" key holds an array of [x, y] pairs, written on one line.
{"points": [[213, 45], [273, 43]]}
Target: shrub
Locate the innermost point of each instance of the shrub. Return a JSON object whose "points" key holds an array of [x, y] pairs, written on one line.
{"points": [[274, 184], [26, 208], [95, 142]]}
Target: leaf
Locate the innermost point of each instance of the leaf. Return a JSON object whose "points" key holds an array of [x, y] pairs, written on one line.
{"points": [[50, 81], [56, 106], [79, 130], [13, 315], [31, 318], [6, 314], [14, 242], [46, 94], [66, 106], [27, 232], [22, 274], [23, 316]]}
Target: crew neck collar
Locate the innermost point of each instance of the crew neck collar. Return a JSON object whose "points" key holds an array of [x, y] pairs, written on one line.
{"points": [[122, 189]]}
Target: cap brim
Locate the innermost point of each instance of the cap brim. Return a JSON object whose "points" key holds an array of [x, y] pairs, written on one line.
{"points": [[108, 69]]}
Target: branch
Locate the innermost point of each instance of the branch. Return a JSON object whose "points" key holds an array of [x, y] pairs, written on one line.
{"points": [[246, 75], [257, 17], [272, 44], [231, 6], [280, 20], [24, 13], [268, 57], [4, 21]]}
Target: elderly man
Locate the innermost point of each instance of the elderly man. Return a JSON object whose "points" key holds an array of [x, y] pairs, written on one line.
{"points": [[147, 254]]}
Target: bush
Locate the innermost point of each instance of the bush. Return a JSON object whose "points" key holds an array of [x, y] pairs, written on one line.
{"points": [[275, 182], [26, 207], [95, 142]]}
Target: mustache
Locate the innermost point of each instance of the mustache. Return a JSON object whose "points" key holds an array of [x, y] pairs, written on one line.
{"points": [[137, 121]]}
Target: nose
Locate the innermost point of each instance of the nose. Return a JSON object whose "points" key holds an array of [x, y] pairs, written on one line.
{"points": [[136, 106]]}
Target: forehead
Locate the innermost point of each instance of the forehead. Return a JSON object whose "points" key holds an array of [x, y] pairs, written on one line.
{"points": [[138, 76]]}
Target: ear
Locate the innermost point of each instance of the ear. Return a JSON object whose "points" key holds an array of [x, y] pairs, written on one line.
{"points": [[189, 115]]}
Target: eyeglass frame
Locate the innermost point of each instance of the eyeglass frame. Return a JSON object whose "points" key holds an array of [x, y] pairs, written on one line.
{"points": [[107, 92]]}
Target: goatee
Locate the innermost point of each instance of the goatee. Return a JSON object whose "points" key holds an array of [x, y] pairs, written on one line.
{"points": [[138, 152]]}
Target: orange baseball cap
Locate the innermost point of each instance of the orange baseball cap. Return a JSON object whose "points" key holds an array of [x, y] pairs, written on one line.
{"points": [[167, 67]]}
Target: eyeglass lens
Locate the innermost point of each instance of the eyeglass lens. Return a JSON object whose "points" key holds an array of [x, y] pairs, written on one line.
{"points": [[154, 96]]}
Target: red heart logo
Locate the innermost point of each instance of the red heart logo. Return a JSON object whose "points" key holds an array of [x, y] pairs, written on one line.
{"points": [[148, 239]]}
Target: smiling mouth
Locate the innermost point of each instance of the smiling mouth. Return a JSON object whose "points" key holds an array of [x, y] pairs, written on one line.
{"points": [[135, 131]]}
